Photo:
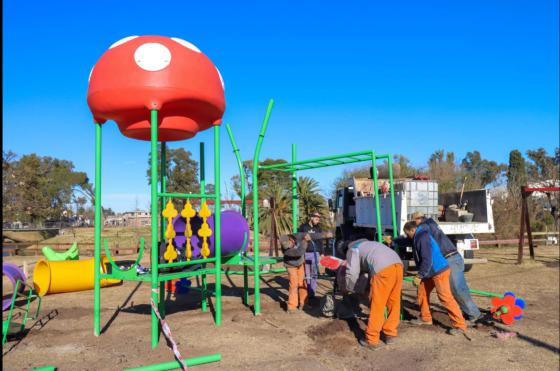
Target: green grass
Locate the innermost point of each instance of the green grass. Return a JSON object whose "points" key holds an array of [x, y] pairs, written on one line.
{"points": [[121, 235]]}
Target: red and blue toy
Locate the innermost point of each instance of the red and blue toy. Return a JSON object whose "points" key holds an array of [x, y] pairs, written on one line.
{"points": [[507, 309]]}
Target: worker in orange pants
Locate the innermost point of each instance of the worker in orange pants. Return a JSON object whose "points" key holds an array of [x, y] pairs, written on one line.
{"points": [[443, 289], [385, 291], [293, 249], [433, 272], [386, 271]]}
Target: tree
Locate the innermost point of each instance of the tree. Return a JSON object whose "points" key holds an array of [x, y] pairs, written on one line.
{"points": [[516, 174], [542, 167], [9, 185], [268, 179], [311, 200], [282, 210], [182, 172], [42, 187], [443, 169], [479, 172]]}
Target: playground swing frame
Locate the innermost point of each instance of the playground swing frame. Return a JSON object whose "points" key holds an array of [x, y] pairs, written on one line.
{"points": [[293, 167]]}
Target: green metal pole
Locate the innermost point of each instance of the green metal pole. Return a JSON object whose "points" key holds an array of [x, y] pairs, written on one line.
{"points": [[294, 193], [392, 187], [162, 223], [376, 195], [240, 166], [204, 291], [202, 172], [217, 227], [255, 188], [245, 294], [154, 211], [97, 234], [175, 364]]}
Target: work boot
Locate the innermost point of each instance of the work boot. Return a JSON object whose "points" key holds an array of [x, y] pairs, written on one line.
{"points": [[420, 322], [365, 344], [389, 340], [291, 311], [455, 331]]}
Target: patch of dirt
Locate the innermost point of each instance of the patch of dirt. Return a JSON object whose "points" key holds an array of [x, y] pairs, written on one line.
{"points": [[275, 340]]}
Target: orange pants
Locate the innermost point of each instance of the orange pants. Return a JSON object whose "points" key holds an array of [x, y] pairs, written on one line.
{"points": [[443, 290], [385, 291], [298, 285]]}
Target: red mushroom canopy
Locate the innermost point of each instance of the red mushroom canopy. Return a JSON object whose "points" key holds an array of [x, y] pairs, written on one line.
{"points": [[138, 74]]}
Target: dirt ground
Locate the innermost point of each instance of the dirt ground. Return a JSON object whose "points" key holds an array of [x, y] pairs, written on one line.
{"points": [[303, 341]]}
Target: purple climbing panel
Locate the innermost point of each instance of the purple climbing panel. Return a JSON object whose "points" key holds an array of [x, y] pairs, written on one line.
{"points": [[234, 229]]}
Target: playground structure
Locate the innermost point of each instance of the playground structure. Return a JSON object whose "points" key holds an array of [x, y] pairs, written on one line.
{"points": [[153, 100], [19, 285]]}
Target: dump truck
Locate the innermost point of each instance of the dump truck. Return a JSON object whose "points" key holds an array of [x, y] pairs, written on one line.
{"points": [[459, 214]]}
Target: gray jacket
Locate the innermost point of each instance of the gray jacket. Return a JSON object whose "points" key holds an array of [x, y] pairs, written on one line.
{"points": [[295, 256], [367, 256]]}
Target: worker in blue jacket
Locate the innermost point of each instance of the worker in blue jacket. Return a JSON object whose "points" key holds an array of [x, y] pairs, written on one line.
{"points": [[433, 272], [457, 281]]}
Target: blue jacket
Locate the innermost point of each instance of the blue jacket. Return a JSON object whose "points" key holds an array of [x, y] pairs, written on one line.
{"points": [[445, 244], [427, 254]]}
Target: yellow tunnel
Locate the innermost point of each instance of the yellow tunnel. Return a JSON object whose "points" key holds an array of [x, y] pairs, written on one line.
{"points": [[52, 277]]}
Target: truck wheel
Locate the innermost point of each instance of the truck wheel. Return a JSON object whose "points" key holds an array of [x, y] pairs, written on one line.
{"points": [[468, 254]]}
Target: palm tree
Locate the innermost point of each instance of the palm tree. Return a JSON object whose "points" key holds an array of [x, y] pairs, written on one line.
{"points": [[311, 200], [282, 211]]}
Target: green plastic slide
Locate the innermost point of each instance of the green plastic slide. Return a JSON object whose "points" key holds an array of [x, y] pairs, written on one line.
{"points": [[71, 254]]}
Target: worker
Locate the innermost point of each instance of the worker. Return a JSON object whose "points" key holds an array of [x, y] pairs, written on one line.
{"points": [[315, 249], [386, 275], [294, 250], [457, 281], [433, 271]]}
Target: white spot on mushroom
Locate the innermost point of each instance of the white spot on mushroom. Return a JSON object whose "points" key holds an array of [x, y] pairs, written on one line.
{"points": [[152, 56], [186, 44], [221, 79], [122, 41]]}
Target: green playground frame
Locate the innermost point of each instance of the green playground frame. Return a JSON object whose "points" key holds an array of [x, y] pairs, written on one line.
{"points": [[252, 265], [293, 167], [157, 278]]}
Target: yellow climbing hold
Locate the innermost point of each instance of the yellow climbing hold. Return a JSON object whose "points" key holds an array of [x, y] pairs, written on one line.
{"points": [[204, 230], [188, 212], [204, 211], [169, 213], [170, 252]]}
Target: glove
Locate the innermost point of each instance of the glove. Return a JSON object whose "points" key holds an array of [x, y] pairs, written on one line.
{"points": [[416, 281]]}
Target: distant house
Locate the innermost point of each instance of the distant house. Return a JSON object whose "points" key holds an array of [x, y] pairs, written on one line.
{"points": [[129, 219]]}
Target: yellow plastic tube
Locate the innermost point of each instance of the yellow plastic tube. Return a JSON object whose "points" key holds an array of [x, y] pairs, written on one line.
{"points": [[52, 277]]}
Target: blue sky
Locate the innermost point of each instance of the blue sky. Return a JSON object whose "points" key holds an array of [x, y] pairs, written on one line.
{"points": [[408, 77]]}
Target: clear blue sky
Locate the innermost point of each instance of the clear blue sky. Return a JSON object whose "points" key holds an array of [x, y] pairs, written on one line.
{"points": [[409, 77]]}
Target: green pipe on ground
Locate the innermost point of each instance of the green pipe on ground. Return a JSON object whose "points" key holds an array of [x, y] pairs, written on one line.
{"points": [[45, 368], [175, 364], [477, 292]]}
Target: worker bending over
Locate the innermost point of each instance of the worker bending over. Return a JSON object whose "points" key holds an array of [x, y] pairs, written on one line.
{"points": [[386, 275], [433, 271], [293, 249], [457, 281]]}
